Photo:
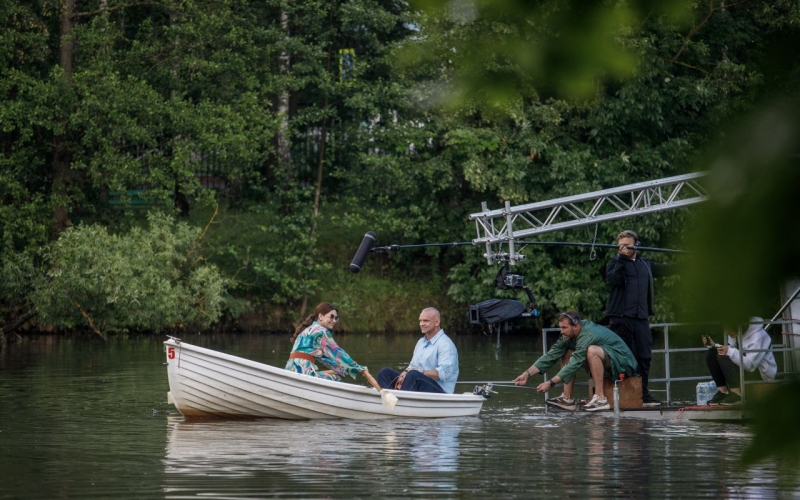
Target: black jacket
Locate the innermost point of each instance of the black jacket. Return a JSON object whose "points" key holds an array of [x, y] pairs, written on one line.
{"points": [[619, 285]]}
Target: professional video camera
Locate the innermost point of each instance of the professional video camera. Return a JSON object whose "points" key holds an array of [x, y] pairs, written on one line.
{"points": [[499, 313], [508, 281]]}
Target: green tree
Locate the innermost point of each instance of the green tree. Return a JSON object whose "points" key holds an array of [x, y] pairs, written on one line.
{"points": [[154, 96], [147, 279]]}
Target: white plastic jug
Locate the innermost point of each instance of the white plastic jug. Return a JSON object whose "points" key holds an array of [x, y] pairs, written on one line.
{"points": [[705, 391]]}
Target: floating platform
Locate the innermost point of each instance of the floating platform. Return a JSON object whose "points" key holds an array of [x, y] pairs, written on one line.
{"points": [[677, 413], [686, 413]]}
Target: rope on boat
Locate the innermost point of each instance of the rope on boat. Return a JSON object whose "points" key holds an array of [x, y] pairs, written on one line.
{"points": [[700, 407], [504, 383]]}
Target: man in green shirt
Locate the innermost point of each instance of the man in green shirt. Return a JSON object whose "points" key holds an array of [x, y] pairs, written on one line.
{"points": [[582, 343]]}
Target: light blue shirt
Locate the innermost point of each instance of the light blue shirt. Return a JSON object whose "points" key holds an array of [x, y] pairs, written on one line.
{"points": [[438, 354]]}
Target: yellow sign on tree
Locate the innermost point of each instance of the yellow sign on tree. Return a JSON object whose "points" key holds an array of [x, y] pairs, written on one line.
{"points": [[347, 65]]}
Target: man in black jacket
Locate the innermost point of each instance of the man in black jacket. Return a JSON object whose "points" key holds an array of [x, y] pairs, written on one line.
{"points": [[630, 303]]}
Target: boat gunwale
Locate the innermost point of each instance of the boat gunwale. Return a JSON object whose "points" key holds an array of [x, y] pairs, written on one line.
{"points": [[303, 379]]}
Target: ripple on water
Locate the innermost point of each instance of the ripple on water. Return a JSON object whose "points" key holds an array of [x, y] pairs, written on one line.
{"points": [[91, 421]]}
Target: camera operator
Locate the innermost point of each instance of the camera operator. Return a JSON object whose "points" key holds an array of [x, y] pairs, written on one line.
{"points": [[630, 302]]}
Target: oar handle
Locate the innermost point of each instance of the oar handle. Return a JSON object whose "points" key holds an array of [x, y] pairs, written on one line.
{"points": [[371, 380]]}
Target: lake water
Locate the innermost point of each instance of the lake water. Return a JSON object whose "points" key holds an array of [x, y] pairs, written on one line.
{"points": [[86, 419]]}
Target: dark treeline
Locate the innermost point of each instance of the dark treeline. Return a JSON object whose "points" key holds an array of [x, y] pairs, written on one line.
{"points": [[175, 164]]}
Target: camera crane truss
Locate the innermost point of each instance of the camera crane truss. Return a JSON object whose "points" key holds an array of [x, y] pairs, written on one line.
{"points": [[506, 225]]}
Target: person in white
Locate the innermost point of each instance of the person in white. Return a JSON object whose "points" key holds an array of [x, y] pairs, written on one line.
{"points": [[724, 361]]}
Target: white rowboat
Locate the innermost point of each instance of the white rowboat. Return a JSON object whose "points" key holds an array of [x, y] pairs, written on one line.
{"points": [[207, 383]]}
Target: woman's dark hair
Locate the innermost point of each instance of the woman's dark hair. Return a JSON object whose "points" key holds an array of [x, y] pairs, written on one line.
{"points": [[322, 309]]}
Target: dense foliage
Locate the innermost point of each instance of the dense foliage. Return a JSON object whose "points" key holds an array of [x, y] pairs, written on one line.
{"points": [[144, 279], [308, 123], [111, 109]]}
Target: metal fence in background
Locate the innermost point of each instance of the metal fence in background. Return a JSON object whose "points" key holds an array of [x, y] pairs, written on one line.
{"points": [[670, 352]]}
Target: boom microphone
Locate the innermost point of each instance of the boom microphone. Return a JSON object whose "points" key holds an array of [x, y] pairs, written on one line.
{"points": [[363, 250]]}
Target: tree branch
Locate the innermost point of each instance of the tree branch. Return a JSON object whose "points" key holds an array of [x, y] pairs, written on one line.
{"points": [[690, 66], [211, 221], [79, 15], [19, 322], [202, 235], [696, 29], [89, 319]]}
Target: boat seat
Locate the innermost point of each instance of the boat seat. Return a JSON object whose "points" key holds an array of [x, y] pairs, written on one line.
{"points": [[630, 392]]}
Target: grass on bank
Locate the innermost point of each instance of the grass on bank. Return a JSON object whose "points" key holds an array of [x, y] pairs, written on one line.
{"points": [[269, 275]]}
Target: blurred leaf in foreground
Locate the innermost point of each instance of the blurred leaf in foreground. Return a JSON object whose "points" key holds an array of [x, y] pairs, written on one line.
{"points": [[745, 242], [776, 416], [503, 49]]}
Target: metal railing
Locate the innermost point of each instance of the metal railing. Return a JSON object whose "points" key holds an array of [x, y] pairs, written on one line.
{"points": [[668, 351]]}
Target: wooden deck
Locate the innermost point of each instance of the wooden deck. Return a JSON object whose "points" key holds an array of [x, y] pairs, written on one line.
{"points": [[676, 413], [685, 413]]}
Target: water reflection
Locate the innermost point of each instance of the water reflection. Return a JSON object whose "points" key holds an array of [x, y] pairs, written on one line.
{"points": [[618, 457], [89, 420], [435, 456], [304, 457]]}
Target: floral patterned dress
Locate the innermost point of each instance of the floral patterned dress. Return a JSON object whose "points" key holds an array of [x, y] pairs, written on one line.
{"points": [[317, 341]]}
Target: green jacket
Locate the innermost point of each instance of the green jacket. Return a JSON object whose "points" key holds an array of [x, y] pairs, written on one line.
{"points": [[622, 359]]}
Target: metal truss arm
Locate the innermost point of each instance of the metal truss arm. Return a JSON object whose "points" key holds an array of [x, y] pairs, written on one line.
{"points": [[508, 224]]}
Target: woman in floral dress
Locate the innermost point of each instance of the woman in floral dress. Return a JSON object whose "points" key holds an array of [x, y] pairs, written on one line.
{"points": [[313, 343]]}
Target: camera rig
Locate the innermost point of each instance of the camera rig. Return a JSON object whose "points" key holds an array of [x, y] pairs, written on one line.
{"points": [[500, 313], [501, 232]]}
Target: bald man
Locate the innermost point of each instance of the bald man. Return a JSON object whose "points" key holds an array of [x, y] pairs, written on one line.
{"points": [[434, 366]]}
